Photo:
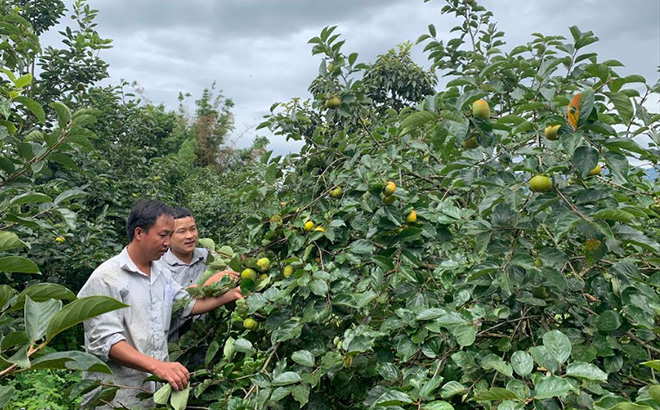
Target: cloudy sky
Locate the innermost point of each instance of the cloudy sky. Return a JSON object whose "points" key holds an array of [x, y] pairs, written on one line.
{"points": [[257, 51]]}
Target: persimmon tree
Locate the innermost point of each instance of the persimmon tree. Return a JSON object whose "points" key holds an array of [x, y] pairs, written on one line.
{"points": [[492, 295]]}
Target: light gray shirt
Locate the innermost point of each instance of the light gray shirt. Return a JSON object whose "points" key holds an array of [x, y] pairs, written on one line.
{"points": [[144, 325], [185, 274]]}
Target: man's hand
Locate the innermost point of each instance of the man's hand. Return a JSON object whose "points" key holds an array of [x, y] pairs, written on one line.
{"points": [[234, 294], [217, 276], [207, 304], [174, 373]]}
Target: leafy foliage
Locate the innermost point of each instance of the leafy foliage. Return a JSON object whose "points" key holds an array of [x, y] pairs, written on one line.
{"points": [[462, 288], [395, 81], [495, 296]]}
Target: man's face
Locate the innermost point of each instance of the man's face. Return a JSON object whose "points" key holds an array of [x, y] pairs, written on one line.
{"points": [[184, 238], [156, 240]]}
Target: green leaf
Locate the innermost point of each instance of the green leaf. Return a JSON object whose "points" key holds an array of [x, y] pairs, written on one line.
{"points": [[211, 352], [271, 173], [83, 120], [63, 113], [163, 394], [68, 216], [437, 405], [653, 364], [179, 398], [6, 165], [41, 292], [21, 357], [72, 360], [69, 195], [358, 340], [431, 314], [303, 357], [64, 160], [587, 104], [286, 379], [654, 391], [29, 198], [465, 334], [584, 160], [300, 394], [426, 392], [383, 261], [18, 264], [452, 388], [558, 345], [6, 394], [319, 287], [33, 106], [586, 371], [449, 319], [361, 247], [290, 329], [81, 136], [522, 363], [388, 371], [550, 386], [629, 234], [80, 310], [493, 361], [496, 393], [608, 321], [617, 163], [37, 315], [9, 240], [208, 243], [631, 406], [617, 215], [393, 398], [625, 144], [243, 345], [23, 81], [280, 393], [623, 106], [416, 120], [228, 350], [6, 292], [543, 358]]}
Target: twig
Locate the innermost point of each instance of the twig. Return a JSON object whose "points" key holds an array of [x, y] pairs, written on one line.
{"points": [[570, 205], [641, 342], [446, 355], [506, 322], [263, 369], [607, 181]]}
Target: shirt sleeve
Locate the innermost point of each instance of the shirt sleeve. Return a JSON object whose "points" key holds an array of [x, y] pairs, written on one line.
{"points": [[103, 331]]}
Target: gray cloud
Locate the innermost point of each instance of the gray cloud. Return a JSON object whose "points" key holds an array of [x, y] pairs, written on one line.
{"points": [[234, 18], [257, 51]]}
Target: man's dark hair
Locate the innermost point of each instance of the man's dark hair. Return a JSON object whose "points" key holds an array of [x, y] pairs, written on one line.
{"points": [[144, 215], [181, 212]]}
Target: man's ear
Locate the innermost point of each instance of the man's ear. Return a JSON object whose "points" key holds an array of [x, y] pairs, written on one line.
{"points": [[139, 233]]}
